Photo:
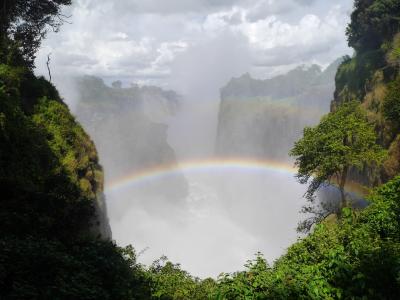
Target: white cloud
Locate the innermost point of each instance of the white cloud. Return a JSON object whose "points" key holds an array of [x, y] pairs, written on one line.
{"points": [[144, 40], [167, 52], [310, 30]]}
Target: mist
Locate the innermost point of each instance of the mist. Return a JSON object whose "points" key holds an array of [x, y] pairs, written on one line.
{"points": [[198, 74], [195, 85]]}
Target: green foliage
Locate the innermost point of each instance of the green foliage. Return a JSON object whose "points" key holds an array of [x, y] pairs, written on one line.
{"points": [[69, 143], [374, 34], [356, 258], [372, 23], [88, 269], [250, 284], [49, 178], [34, 196], [24, 23], [170, 282], [355, 74], [391, 104], [393, 51], [41, 192], [342, 139]]}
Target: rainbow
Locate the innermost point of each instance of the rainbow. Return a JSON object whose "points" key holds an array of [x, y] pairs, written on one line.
{"points": [[155, 173], [206, 165]]}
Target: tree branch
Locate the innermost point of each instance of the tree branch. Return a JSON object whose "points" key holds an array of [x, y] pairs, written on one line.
{"points": [[48, 65]]}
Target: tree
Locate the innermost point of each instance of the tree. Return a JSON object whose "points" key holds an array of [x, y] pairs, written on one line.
{"points": [[391, 103], [170, 282], [343, 139], [25, 23], [373, 22]]}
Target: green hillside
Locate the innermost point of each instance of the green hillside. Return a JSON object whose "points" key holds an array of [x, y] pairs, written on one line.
{"points": [[371, 77], [54, 233]]}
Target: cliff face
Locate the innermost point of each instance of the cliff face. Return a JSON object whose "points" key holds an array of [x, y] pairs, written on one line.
{"points": [[263, 118], [54, 234], [50, 177], [371, 76], [129, 127]]}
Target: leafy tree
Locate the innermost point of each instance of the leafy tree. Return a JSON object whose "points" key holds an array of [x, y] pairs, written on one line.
{"points": [[338, 260], [391, 104], [38, 268], [170, 282], [342, 140], [26, 22], [252, 283], [372, 23]]}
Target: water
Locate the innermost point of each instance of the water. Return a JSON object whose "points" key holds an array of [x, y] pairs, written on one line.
{"points": [[227, 217]]}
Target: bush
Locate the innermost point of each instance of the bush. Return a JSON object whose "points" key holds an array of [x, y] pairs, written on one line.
{"points": [[37, 268], [391, 103], [354, 74], [355, 258]]}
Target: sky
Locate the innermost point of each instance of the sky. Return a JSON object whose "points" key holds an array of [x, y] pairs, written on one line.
{"points": [[188, 45]]}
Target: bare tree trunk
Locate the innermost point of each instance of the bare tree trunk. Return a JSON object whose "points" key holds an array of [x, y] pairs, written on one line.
{"points": [[48, 65]]}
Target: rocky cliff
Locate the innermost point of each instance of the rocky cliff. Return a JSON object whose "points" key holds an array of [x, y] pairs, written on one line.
{"points": [[263, 118], [129, 127], [50, 176], [372, 77]]}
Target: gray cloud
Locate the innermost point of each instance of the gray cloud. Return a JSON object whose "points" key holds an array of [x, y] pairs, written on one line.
{"points": [[207, 6], [166, 7], [305, 2], [267, 8], [104, 41], [234, 19]]}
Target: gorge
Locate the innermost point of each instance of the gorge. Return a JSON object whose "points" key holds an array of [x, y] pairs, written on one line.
{"points": [[164, 149], [167, 196]]}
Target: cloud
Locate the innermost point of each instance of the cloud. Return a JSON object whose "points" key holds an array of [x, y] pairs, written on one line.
{"points": [[305, 2], [278, 42], [267, 8], [147, 41], [175, 6]]}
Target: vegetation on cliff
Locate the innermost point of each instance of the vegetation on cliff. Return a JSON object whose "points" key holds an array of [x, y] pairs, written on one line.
{"points": [[339, 260], [51, 243], [51, 183], [371, 77], [342, 140]]}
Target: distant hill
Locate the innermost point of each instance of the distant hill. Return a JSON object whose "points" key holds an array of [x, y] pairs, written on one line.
{"points": [[263, 118], [301, 85]]}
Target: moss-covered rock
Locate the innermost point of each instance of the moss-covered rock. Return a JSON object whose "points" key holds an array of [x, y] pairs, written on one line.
{"points": [[49, 172]]}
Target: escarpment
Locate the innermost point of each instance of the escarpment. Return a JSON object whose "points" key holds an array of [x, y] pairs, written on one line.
{"points": [[130, 128], [51, 179], [263, 118], [372, 77]]}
